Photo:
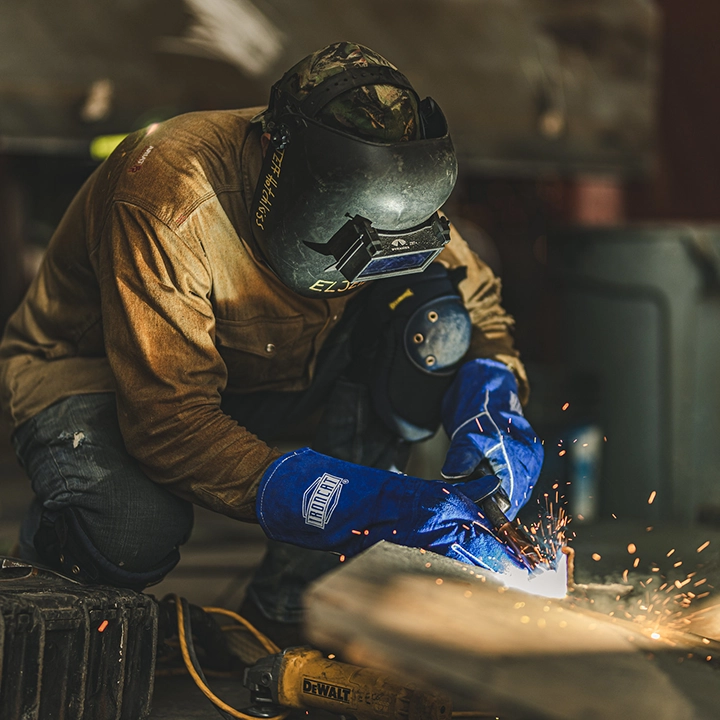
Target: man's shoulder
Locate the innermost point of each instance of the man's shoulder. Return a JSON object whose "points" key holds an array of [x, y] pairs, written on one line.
{"points": [[213, 124], [171, 167]]}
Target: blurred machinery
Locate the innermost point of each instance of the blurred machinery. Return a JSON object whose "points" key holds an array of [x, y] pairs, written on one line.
{"points": [[642, 311]]}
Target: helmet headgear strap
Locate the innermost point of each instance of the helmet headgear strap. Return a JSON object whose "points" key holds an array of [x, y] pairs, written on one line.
{"points": [[333, 86]]}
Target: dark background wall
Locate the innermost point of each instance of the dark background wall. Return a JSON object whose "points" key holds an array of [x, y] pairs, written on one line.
{"points": [[687, 182]]}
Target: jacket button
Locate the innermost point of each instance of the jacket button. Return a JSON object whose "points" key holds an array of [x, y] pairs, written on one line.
{"points": [[270, 348]]}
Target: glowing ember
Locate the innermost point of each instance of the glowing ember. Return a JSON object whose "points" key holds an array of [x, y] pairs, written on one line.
{"points": [[632, 548], [651, 499], [703, 546], [596, 557]]}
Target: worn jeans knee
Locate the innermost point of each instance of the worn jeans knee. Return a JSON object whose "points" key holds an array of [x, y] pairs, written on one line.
{"points": [[91, 493]]}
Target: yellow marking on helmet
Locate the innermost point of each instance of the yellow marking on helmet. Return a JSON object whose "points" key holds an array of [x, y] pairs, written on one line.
{"points": [[408, 293]]}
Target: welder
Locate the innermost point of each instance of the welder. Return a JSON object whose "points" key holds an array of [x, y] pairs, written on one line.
{"points": [[225, 277]]}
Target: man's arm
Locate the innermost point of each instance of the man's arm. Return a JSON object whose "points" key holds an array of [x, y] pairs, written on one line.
{"points": [[159, 331], [492, 326], [482, 411]]}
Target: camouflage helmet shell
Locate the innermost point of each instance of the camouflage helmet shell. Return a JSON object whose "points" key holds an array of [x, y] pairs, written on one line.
{"points": [[379, 113]]}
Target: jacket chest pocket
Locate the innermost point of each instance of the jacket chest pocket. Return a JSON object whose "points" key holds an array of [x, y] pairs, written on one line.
{"points": [[262, 353]]}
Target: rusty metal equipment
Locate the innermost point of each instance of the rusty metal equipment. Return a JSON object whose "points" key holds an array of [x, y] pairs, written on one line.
{"points": [[72, 651]]}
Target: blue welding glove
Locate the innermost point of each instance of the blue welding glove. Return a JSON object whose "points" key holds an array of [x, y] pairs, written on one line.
{"points": [[483, 417], [322, 503]]}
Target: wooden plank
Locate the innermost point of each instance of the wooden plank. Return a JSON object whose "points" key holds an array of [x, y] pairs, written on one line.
{"points": [[518, 655]]}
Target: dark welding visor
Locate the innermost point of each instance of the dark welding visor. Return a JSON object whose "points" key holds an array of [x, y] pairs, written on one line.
{"points": [[363, 252], [371, 207]]}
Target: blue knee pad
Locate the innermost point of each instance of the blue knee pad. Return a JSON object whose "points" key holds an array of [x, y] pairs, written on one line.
{"points": [[62, 542]]}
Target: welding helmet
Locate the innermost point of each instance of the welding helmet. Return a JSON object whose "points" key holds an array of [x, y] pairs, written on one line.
{"points": [[334, 208]]}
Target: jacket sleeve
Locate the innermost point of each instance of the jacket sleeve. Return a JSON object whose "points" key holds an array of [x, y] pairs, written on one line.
{"points": [[159, 332], [492, 326]]}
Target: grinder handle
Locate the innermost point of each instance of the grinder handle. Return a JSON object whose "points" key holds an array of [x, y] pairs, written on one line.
{"points": [[307, 679]]}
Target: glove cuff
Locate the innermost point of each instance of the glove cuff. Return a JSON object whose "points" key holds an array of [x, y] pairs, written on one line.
{"points": [[470, 392], [316, 501]]}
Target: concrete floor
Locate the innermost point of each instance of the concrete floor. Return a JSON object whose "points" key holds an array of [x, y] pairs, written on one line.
{"points": [[218, 560]]}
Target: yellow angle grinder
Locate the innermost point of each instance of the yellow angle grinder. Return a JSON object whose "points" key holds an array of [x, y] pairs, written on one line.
{"points": [[304, 678]]}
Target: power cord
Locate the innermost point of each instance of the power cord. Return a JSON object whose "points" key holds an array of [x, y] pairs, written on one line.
{"points": [[193, 667], [187, 648]]}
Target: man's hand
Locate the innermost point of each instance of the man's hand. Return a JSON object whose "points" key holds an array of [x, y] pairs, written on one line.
{"points": [[483, 418], [318, 502]]}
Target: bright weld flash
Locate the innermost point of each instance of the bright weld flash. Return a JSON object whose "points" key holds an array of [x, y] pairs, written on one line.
{"points": [[542, 582]]}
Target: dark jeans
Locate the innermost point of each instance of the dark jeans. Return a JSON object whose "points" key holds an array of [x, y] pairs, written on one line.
{"points": [[94, 497], [76, 459]]}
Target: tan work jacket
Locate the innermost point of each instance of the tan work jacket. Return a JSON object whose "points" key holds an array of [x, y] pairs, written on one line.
{"points": [[152, 287]]}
